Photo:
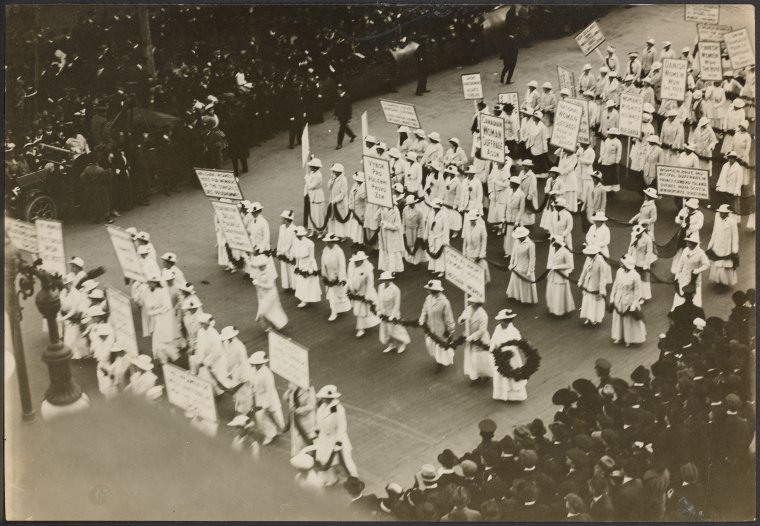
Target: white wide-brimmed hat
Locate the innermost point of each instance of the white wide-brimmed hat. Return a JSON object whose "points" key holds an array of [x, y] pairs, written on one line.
{"points": [[287, 214], [628, 262], [651, 192], [258, 358], [505, 314], [228, 332], [434, 285], [359, 256], [386, 275], [328, 391], [724, 208], [79, 262], [520, 232], [692, 202], [143, 361], [599, 216], [315, 163]]}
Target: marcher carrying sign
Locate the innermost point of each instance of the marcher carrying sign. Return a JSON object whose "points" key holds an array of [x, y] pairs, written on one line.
{"points": [[50, 245], [472, 86], [121, 320], [739, 48], [492, 138], [289, 360], [228, 215], [126, 253], [710, 63], [400, 113], [683, 182], [187, 391], [377, 177], [590, 38], [22, 234], [584, 133], [567, 124], [219, 184], [566, 80], [463, 273], [630, 117], [673, 79]]}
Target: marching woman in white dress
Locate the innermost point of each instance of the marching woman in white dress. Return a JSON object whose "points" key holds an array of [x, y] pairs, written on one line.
{"points": [[158, 305], [641, 249], [333, 269], [313, 183], [724, 243], [559, 297], [647, 215], [514, 211], [692, 262], [478, 362], [222, 256], [389, 304], [594, 278], [626, 300], [270, 313], [413, 219], [361, 282], [690, 220], [523, 261], [357, 204], [439, 319], [498, 186], [474, 242], [338, 186], [529, 186], [307, 287], [332, 441], [285, 241], [506, 389], [258, 232], [71, 299], [269, 417], [391, 240], [437, 230]]}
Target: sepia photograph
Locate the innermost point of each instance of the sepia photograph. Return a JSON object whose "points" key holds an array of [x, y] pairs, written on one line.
{"points": [[419, 262]]}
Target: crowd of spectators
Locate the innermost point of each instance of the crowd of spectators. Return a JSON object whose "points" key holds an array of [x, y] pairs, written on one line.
{"points": [[673, 442]]}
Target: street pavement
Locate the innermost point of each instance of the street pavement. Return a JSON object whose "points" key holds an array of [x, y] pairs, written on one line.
{"points": [[401, 414]]}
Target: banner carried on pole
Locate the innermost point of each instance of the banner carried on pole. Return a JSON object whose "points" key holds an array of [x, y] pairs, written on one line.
{"points": [[710, 63], [630, 116], [590, 38], [365, 125], [289, 360], [511, 97], [492, 137], [50, 245], [305, 146], [584, 132], [472, 86], [121, 320], [683, 182], [466, 275], [22, 234], [188, 392], [400, 114], [228, 215], [219, 184], [566, 80], [126, 253], [567, 124], [377, 179], [711, 32], [673, 79], [702, 13], [739, 48]]}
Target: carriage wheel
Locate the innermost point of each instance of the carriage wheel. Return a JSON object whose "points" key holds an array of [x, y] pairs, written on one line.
{"points": [[42, 207]]}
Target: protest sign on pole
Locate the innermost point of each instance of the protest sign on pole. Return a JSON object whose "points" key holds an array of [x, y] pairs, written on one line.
{"points": [[121, 320], [466, 275], [189, 392], [126, 253], [377, 179], [50, 245], [511, 97], [289, 360], [739, 48], [400, 113], [228, 215], [305, 146], [631, 111], [710, 63], [673, 79], [702, 13], [365, 125], [711, 32], [683, 182], [22, 234], [584, 132], [566, 80], [492, 138], [567, 124], [219, 184], [590, 38], [472, 87]]}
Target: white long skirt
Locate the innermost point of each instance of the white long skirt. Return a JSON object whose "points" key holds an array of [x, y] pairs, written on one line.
{"points": [[72, 337], [455, 220], [287, 276], [419, 257], [593, 307], [338, 299], [393, 333], [509, 390], [627, 329], [559, 298], [521, 290], [477, 363], [508, 240], [307, 289], [719, 273], [339, 229], [355, 231], [364, 317], [390, 261], [442, 355], [317, 213], [163, 339]]}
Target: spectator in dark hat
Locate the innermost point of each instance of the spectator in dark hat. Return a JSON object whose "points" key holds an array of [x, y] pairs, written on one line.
{"points": [[600, 503], [446, 473], [603, 369], [362, 506], [487, 428]]}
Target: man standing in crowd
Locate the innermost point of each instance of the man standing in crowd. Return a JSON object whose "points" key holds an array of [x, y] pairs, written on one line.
{"points": [[421, 57], [343, 114]]}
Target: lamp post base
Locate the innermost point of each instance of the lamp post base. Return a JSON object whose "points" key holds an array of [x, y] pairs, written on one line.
{"points": [[50, 412]]}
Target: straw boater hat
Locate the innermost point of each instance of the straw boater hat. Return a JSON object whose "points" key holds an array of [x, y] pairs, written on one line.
{"points": [[651, 192], [599, 216], [692, 203], [692, 238], [653, 139], [258, 358], [229, 332], [404, 129], [171, 257], [395, 153], [724, 208], [386, 275], [628, 262], [143, 361], [143, 236], [359, 256], [434, 285], [299, 231], [168, 274], [412, 156], [738, 103], [435, 137], [520, 232], [358, 177], [287, 214], [419, 132], [315, 163], [650, 41], [546, 85], [505, 314], [591, 249], [451, 169], [330, 238], [329, 392], [256, 207], [79, 262]]}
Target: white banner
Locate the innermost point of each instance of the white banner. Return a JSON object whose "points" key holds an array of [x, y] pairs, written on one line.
{"points": [[590, 38], [673, 79], [305, 146], [289, 360], [739, 48], [190, 393], [631, 111], [219, 184], [566, 80], [50, 245], [228, 215], [466, 275], [511, 97], [491, 138], [584, 132], [710, 63], [126, 253], [703, 13], [377, 179], [400, 113], [22, 234], [567, 124], [683, 182], [121, 320], [712, 32], [472, 87], [365, 126]]}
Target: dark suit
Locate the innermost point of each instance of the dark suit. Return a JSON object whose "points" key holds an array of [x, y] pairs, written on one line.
{"points": [[421, 57], [628, 501], [343, 114], [602, 509]]}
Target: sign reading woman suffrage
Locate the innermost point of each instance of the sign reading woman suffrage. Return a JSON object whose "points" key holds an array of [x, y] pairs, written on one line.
{"points": [[491, 137], [567, 124]]}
